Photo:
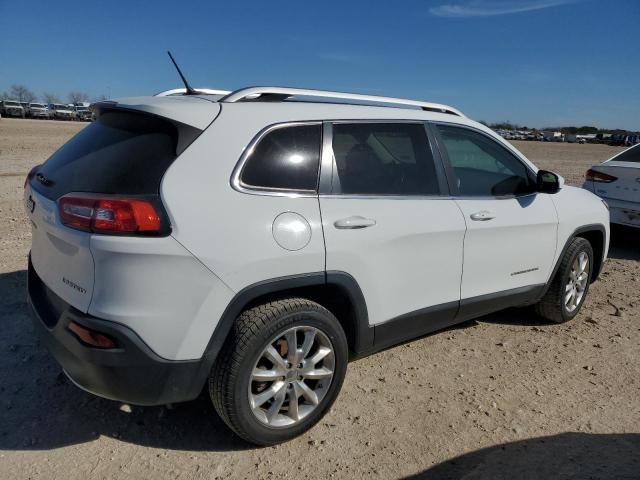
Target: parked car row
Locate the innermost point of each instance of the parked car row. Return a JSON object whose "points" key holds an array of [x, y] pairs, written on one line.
{"points": [[615, 139], [55, 111]]}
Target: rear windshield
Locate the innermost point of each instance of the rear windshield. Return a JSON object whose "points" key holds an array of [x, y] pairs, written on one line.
{"points": [[631, 155], [121, 153]]}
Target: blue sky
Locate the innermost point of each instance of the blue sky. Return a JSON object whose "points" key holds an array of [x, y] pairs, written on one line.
{"points": [[535, 62]]}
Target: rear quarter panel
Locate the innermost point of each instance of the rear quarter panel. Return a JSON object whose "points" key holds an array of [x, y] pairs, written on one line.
{"points": [[228, 231]]}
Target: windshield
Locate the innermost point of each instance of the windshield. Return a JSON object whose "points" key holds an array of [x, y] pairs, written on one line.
{"points": [[60, 107], [36, 105], [12, 104]]}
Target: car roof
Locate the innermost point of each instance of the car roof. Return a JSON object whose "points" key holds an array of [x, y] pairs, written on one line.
{"points": [[201, 109]]}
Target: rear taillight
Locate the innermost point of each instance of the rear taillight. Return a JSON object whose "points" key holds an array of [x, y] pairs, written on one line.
{"points": [[596, 176], [104, 214], [30, 175]]}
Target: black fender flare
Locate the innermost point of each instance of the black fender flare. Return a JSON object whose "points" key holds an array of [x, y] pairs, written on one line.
{"points": [[363, 335], [594, 227]]}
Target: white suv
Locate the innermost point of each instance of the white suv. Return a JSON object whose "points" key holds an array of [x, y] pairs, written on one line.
{"points": [[256, 241]]}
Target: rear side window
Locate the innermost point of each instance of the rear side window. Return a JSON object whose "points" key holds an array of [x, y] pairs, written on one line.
{"points": [[383, 159], [286, 158], [630, 155], [482, 166], [120, 153]]}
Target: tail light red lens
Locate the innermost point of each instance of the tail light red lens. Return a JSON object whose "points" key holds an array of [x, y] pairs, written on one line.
{"points": [[109, 215], [91, 337], [602, 177]]}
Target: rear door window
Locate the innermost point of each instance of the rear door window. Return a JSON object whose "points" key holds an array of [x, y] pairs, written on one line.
{"points": [[120, 153], [286, 158], [383, 159]]}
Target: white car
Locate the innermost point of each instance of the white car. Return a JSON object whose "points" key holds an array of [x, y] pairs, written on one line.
{"points": [[617, 182], [38, 110], [60, 111], [253, 242]]}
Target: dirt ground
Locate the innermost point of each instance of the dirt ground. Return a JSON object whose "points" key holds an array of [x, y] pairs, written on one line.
{"points": [[506, 396]]}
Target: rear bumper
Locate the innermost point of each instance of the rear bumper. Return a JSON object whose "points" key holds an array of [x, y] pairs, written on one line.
{"points": [[623, 213], [131, 373]]}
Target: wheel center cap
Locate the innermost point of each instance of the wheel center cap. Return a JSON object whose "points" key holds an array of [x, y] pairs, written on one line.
{"points": [[291, 375]]}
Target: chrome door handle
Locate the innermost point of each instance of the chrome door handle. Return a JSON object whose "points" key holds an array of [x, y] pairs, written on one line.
{"points": [[482, 216], [354, 223]]}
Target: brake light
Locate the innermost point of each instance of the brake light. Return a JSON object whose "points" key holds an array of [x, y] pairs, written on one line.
{"points": [[30, 175], [596, 176], [109, 215]]}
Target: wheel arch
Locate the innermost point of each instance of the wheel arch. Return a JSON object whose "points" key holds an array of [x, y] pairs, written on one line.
{"points": [[337, 291], [596, 237], [595, 234]]}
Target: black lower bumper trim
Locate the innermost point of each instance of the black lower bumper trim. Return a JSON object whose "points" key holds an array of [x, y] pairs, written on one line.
{"points": [[131, 373]]}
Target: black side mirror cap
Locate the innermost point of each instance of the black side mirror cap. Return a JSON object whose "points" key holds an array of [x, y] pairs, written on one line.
{"points": [[547, 182]]}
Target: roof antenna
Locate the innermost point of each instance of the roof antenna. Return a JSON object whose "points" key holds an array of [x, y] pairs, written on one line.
{"points": [[188, 88]]}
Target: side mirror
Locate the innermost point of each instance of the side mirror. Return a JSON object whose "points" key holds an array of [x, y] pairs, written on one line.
{"points": [[548, 182]]}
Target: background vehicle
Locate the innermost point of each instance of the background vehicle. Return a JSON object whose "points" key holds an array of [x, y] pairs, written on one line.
{"points": [[322, 231], [60, 111], [11, 108], [617, 182], [83, 114], [38, 110]]}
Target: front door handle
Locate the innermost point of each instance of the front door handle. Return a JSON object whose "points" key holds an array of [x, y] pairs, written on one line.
{"points": [[482, 216], [354, 223]]}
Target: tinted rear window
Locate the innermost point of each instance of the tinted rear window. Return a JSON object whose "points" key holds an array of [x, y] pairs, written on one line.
{"points": [[631, 155], [287, 158], [121, 153]]}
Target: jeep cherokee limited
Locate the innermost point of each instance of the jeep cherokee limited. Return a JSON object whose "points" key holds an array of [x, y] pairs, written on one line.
{"points": [[252, 242]]}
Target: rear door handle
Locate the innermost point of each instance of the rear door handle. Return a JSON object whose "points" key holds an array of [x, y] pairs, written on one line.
{"points": [[354, 222], [482, 216]]}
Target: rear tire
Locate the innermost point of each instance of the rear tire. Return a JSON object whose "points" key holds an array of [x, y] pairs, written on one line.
{"points": [[568, 290], [256, 363]]}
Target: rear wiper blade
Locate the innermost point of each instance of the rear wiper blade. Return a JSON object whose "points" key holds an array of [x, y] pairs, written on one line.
{"points": [[44, 180]]}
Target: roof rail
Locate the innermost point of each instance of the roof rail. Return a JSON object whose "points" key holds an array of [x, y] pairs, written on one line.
{"points": [[205, 91], [275, 94]]}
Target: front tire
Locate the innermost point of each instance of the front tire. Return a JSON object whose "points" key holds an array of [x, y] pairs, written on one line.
{"points": [[280, 370], [568, 290]]}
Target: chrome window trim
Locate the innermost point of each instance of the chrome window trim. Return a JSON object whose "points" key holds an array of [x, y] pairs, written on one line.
{"points": [[363, 196], [237, 183]]}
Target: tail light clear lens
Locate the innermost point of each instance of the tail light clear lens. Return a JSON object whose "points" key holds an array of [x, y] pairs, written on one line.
{"points": [[104, 214], [601, 177]]}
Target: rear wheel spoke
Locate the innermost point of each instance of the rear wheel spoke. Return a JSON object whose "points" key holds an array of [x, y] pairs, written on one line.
{"points": [[291, 379], [319, 355], [261, 398], [317, 374], [307, 393]]}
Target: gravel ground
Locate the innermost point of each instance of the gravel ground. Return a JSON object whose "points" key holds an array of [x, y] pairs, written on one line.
{"points": [[506, 396]]}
